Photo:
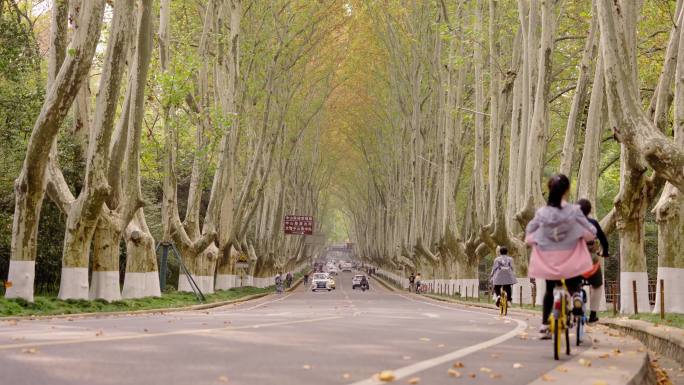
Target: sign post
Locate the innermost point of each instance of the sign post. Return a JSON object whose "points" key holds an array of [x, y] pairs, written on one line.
{"points": [[298, 224]]}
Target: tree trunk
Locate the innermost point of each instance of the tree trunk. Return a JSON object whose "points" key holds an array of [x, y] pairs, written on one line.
{"points": [[83, 215], [30, 186]]}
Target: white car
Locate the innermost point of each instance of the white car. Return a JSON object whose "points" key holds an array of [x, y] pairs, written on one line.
{"points": [[346, 266], [332, 270], [356, 281], [321, 281]]}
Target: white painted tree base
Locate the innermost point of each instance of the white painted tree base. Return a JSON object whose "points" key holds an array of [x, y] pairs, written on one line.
{"points": [[225, 281], [626, 295], [74, 283], [541, 289], [525, 286], [673, 279], [141, 285], [204, 282], [105, 285], [21, 275]]}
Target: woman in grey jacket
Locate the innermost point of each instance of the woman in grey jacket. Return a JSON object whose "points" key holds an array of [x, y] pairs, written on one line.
{"points": [[503, 275]]}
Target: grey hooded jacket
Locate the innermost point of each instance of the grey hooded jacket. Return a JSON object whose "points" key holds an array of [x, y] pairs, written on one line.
{"points": [[502, 271], [554, 229]]}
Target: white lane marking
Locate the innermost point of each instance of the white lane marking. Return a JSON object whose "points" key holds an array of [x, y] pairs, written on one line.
{"points": [[439, 360], [173, 333], [431, 315], [237, 310]]}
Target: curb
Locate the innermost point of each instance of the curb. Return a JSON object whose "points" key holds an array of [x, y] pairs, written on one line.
{"points": [[203, 306], [665, 340], [383, 283]]}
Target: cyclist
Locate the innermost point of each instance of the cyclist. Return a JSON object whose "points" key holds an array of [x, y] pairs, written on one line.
{"points": [[594, 276], [418, 282], [502, 275], [558, 234], [412, 280]]}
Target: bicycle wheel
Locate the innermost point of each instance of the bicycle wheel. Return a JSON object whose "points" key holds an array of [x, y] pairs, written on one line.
{"points": [[556, 339], [567, 340], [580, 329]]}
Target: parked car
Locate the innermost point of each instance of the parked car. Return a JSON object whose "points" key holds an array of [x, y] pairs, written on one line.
{"points": [[321, 281]]}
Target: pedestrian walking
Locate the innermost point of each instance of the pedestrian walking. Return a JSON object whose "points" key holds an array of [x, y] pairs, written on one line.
{"points": [[306, 278], [279, 283], [412, 280], [503, 276], [288, 280]]}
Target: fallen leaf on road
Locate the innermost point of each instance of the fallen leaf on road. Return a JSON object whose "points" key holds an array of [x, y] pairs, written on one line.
{"points": [[406, 357], [145, 330], [472, 375], [453, 373], [604, 355], [223, 379], [458, 364], [485, 370], [440, 345], [99, 333], [599, 382], [414, 380], [495, 376], [495, 355], [562, 369], [29, 350], [346, 376], [306, 366], [386, 376], [584, 362], [424, 339], [548, 378], [517, 365]]}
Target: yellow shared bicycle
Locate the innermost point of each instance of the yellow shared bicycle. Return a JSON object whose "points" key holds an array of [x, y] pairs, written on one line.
{"points": [[560, 322]]}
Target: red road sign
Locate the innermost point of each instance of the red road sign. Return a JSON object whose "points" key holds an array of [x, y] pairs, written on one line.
{"points": [[298, 224]]}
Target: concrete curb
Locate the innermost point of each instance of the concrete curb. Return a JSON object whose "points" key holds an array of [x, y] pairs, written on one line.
{"points": [[665, 340], [383, 283], [203, 306]]}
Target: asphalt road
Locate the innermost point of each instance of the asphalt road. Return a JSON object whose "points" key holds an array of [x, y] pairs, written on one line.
{"points": [[339, 337]]}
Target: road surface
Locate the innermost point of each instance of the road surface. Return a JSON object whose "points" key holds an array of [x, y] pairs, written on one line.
{"points": [[339, 337]]}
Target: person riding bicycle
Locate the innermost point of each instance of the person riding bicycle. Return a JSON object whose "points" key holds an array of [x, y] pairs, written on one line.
{"points": [[364, 282], [558, 234], [412, 280], [594, 276], [418, 282], [502, 275]]}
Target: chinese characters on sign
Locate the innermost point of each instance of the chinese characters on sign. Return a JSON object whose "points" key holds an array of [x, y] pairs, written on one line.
{"points": [[298, 224]]}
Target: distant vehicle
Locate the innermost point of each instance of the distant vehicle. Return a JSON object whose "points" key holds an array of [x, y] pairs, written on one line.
{"points": [[346, 266], [356, 281], [321, 281], [332, 270]]}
